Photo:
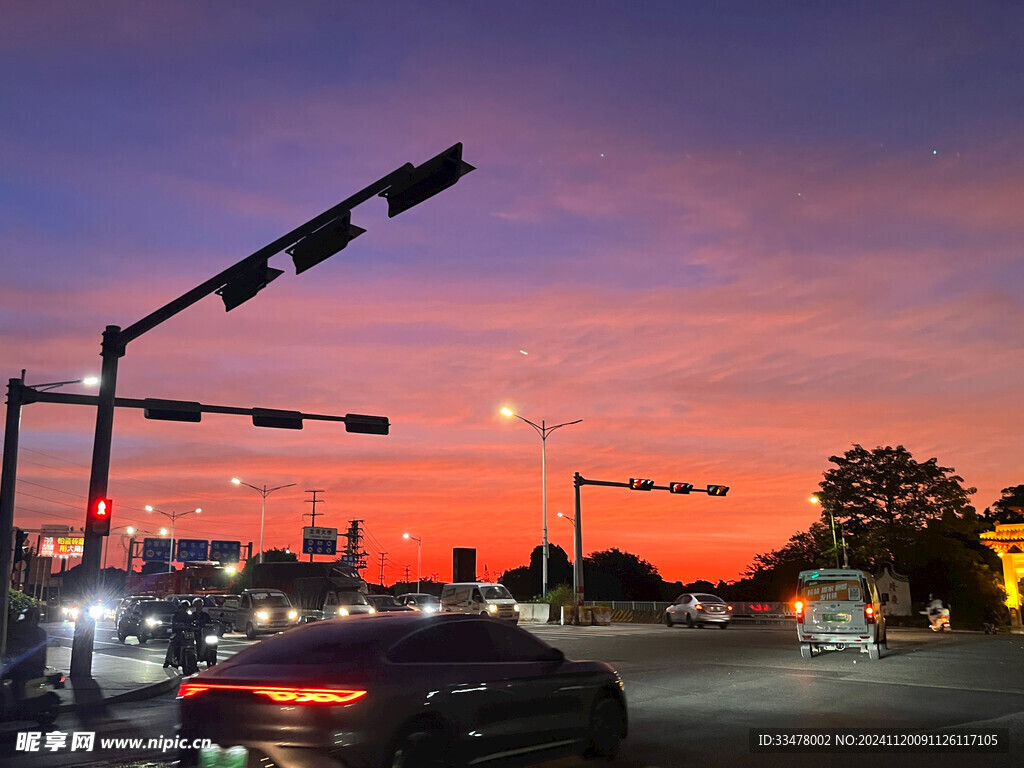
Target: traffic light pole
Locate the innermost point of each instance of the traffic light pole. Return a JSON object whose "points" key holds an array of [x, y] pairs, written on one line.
{"points": [[404, 187], [15, 389]]}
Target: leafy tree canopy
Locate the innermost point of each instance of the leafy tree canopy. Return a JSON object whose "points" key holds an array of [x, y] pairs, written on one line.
{"points": [[880, 498], [1009, 508]]}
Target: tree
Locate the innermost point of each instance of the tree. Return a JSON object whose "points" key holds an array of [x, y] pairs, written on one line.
{"points": [[881, 498], [1009, 509], [615, 575], [773, 576]]}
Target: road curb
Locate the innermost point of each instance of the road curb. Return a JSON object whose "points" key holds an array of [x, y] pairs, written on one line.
{"points": [[136, 694]]}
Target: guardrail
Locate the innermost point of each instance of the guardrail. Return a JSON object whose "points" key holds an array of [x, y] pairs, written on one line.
{"points": [[653, 611]]}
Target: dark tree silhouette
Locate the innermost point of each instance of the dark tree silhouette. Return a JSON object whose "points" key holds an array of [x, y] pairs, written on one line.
{"points": [[1008, 509]]}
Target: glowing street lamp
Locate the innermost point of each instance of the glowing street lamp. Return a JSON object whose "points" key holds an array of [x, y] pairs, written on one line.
{"points": [[815, 499], [419, 553], [543, 430]]}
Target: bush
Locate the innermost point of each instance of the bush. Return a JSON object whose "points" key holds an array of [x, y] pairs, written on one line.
{"points": [[19, 603], [560, 595]]}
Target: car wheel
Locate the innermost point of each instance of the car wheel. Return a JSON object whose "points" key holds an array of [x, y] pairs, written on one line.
{"points": [[805, 651], [723, 625], [220, 630], [142, 638], [668, 619], [47, 715], [606, 726], [689, 621], [121, 636], [420, 748], [250, 631], [874, 651]]}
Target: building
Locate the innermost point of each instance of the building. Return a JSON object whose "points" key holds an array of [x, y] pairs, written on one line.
{"points": [[1008, 542]]}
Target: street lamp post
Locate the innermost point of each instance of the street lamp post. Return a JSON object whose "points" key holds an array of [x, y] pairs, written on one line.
{"points": [[419, 558], [815, 499], [575, 556], [543, 430], [18, 393], [264, 492], [172, 516]]}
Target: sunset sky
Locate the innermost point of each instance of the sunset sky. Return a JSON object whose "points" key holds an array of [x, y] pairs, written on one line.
{"points": [[734, 238]]}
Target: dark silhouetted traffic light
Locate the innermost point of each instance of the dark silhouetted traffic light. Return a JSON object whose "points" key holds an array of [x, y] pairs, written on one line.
{"points": [[270, 417], [718, 490], [99, 517], [680, 487], [246, 285], [20, 540], [425, 181], [367, 425], [640, 484], [324, 243], [172, 410]]}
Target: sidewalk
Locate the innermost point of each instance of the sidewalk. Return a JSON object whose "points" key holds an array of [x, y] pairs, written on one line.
{"points": [[114, 678]]}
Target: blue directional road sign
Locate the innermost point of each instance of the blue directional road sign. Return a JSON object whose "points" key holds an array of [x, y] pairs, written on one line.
{"points": [[190, 550], [319, 541], [156, 550], [226, 551]]}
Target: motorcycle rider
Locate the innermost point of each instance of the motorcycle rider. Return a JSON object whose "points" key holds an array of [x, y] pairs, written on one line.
{"points": [[937, 613], [201, 625], [180, 622], [26, 646]]}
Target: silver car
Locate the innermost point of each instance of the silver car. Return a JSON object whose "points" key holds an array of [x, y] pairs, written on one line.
{"points": [[698, 610]]}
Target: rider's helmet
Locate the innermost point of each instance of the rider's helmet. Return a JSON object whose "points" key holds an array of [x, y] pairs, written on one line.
{"points": [[185, 604], [197, 604]]}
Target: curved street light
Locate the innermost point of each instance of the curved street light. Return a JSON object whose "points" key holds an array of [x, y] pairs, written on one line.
{"points": [[419, 553], [543, 430], [172, 516], [264, 492]]}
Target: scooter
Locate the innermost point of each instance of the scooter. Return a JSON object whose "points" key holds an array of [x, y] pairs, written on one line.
{"points": [[34, 700], [208, 639], [938, 620], [188, 656]]}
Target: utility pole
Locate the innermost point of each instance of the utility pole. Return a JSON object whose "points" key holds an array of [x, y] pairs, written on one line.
{"points": [[312, 515], [382, 568], [354, 547], [406, 579]]}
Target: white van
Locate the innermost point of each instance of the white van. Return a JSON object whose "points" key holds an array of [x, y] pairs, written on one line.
{"points": [[480, 597], [839, 608]]}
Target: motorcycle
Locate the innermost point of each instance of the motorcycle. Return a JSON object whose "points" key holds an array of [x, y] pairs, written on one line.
{"points": [[188, 658], [938, 619], [33, 699], [207, 645]]}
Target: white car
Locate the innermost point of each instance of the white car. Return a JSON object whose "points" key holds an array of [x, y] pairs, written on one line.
{"points": [[698, 610]]}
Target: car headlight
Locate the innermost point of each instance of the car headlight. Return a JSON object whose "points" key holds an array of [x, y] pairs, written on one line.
{"points": [[73, 614], [492, 608], [262, 615], [151, 622], [343, 611], [373, 610], [516, 607], [96, 611], [428, 609], [293, 615]]}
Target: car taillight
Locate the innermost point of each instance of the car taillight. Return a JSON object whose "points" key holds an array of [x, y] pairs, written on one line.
{"points": [[280, 694], [799, 612], [729, 609], [869, 614], [698, 607]]}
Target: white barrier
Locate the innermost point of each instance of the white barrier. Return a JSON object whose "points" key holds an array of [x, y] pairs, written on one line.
{"points": [[534, 613]]}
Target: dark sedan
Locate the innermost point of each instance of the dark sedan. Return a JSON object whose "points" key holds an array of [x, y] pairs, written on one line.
{"points": [[387, 603], [404, 689], [146, 620]]}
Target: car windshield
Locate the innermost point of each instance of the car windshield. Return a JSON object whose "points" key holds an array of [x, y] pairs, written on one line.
{"points": [[385, 600], [496, 593], [425, 599], [160, 607], [351, 598], [709, 599], [271, 601]]}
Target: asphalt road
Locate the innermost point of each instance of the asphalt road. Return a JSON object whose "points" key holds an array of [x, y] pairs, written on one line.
{"points": [[694, 696]]}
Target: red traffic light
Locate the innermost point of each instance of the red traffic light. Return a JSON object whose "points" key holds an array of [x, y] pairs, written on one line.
{"points": [[718, 490], [640, 484], [680, 487], [99, 517]]}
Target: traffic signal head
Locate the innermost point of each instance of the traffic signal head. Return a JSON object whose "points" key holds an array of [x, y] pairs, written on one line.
{"points": [[247, 284], [425, 181], [640, 484], [680, 487], [20, 540], [99, 517], [324, 243], [718, 490]]}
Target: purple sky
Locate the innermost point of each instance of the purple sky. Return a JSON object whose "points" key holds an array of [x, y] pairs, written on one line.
{"points": [[733, 238]]}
